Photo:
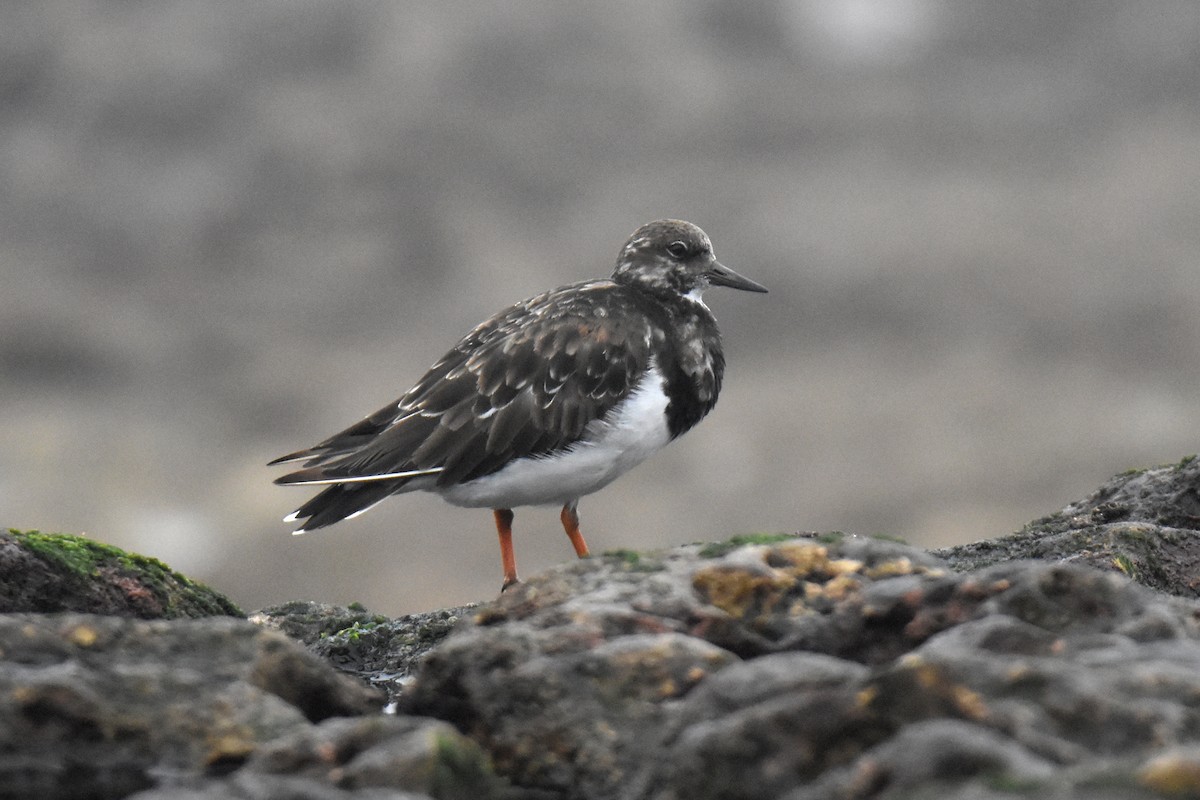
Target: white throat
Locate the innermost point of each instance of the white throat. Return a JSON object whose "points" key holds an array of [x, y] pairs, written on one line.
{"points": [[696, 296]]}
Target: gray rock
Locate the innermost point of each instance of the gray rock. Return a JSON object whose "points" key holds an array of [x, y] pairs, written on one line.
{"points": [[798, 668], [841, 667], [1143, 523], [94, 706], [361, 758], [592, 657], [937, 754], [257, 786]]}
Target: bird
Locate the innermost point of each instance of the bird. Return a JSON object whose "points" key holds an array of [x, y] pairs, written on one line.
{"points": [[549, 400]]}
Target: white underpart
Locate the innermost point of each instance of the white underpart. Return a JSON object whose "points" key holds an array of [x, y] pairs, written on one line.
{"points": [[630, 433]]}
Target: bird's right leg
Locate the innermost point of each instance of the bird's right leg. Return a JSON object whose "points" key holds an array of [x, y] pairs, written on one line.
{"points": [[504, 520]]}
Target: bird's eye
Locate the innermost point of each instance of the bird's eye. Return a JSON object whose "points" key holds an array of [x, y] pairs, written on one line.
{"points": [[677, 249]]}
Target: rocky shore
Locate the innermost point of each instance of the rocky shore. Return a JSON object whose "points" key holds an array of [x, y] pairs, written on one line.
{"points": [[1060, 662]]}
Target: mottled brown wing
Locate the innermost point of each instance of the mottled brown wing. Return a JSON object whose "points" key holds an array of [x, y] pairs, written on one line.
{"points": [[526, 382]]}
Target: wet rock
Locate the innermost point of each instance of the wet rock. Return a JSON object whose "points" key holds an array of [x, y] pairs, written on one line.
{"points": [[381, 651], [1143, 523], [386, 653], [51, 572], [310, 622]]}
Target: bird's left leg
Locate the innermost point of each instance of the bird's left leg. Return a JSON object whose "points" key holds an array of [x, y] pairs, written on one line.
{"points": [[570, 523]]}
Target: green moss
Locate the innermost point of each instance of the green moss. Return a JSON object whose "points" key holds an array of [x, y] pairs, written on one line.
{"points": [[350, 634], [86, 560], [631, 557], [718, 549], [887, 537], [1183, 462], [1125, 564], [84, 556], [360, 629]]}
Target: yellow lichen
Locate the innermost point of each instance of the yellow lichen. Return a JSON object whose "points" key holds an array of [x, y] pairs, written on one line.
{"points": [[841, 587], [1017, 672], [866, 696], [844, 566], [928, 676], [229, 746], [969, 703], [82, 635], [23, 695], [805, 558], [888, 569], [1175, 774], [735, 591]]}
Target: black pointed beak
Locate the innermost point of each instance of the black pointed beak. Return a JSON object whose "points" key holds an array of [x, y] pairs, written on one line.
{"points": [[721, 275]]}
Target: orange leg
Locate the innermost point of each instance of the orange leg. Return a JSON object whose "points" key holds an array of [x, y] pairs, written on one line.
{"points": [[504, 519], [570, 523]]}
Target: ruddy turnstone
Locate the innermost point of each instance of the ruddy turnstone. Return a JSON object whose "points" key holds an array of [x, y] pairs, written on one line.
{"points": [[549, 400]]}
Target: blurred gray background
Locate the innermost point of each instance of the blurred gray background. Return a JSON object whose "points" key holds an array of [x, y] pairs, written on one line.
{"points": [[228, 229]]}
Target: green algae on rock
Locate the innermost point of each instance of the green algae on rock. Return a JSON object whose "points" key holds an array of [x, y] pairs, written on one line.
{"points": [[53, 572]]}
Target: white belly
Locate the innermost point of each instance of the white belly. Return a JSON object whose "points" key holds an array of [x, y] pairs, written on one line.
{"points": [[627, 436]]}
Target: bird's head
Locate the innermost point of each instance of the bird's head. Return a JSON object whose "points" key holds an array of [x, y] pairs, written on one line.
{"points": [[676, 257]]}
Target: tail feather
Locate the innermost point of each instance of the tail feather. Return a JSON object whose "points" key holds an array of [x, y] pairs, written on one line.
{"points": [[340, 501], [352, 439], [299, 455]]}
